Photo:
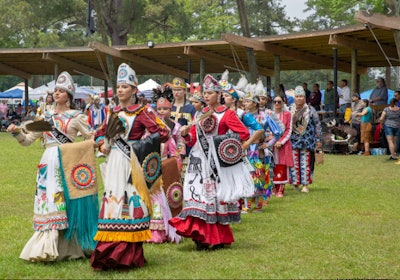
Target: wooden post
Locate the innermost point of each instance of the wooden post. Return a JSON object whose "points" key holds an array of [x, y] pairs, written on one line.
{"points": [[106, 92], [277, 73], [353, 71], [335, 78], [26, 95], [246, 32], [56, 71], [202, 72], [189, 71], [268, 84]]}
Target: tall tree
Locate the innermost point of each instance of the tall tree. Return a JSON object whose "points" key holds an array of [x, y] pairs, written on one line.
{"points": [[41, 23], [117, 16], [328, 14], [268, 17]]}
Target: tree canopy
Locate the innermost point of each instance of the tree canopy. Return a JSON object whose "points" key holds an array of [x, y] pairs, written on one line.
{"points": [[60, 23]]}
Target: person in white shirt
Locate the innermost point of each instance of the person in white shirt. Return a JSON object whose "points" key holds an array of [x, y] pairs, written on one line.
{"points": [[344, 97]]}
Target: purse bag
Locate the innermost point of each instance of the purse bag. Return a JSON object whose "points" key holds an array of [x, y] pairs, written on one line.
{"points": [[229, 149]]}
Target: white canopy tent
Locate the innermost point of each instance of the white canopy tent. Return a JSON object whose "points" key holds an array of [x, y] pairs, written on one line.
{"points": [[147, 87], [80, 92], [42, 90]]}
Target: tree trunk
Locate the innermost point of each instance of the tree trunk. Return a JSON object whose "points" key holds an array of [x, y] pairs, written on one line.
{"points": [[246, 33]]}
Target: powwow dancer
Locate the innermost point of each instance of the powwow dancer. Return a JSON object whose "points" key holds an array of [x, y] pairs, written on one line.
{"points": [[124, 221], [171, 163], [215, 178], [66, 180], [305, 138], [260, 154], [182, 111], [283, 157]]}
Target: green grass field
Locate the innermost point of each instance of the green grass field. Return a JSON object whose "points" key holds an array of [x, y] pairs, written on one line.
{"points": [[346, 227]]}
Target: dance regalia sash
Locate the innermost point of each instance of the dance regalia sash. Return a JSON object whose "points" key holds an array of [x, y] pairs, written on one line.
{"points": [[58, 135], [206, 149], [123, 147]]}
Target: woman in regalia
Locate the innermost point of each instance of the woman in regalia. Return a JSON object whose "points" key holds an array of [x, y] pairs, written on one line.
{"points": [[55, 238], [283, 156], [125, 220], [305, 138], [260, 154], [211, 188], [171, 152]]}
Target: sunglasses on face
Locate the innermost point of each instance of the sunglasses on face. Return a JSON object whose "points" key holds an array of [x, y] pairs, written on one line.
{"points": [[277, 101]]}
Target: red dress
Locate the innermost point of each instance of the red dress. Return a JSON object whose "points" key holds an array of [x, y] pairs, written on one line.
{"points": [[283, 157], [205, 217]]}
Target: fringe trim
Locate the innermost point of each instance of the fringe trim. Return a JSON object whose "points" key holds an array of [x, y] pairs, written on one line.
{"points": [[235, 181], [82, 220], [211, 219], [133, 237], [82, 215]]}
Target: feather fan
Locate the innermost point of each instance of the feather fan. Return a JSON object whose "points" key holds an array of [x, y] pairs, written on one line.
{"points": [[114, 126]]}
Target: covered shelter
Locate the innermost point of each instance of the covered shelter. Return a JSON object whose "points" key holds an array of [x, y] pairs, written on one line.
{"points": [[350, 49]]}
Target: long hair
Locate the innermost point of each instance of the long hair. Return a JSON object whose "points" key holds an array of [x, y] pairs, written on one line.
{"points": [[71, 102]]}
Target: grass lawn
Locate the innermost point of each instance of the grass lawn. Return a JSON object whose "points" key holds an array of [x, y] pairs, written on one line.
{"points": [[346, 227]]}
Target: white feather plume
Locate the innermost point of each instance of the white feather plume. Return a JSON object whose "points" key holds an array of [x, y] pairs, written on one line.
{"points": [[242, 83], [259, 89], [225, 75]]}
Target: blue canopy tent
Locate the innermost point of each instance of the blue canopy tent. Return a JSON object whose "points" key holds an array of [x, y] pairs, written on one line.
{"points": [[366, 94], [14, 93]]}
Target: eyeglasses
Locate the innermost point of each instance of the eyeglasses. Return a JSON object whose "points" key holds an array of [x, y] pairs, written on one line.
{"points": [[277, 101]]}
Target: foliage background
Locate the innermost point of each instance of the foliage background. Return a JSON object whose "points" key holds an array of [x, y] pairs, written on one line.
{"points": [[59, 23]]}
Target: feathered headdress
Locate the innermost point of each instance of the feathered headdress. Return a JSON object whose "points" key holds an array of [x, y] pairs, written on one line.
{"points": [[260, 90], [164, 91], [242, 83]]}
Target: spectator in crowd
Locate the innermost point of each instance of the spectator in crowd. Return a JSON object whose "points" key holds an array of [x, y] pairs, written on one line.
{"points": [[305, 138], [379, 95], [390, 122], [330, 98], [31, 112], [397, 97], [366, 126], [3, 108], [12, 115], [344, 97], [315, 97], [307, 91], [19, 110], [356, 107]]}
